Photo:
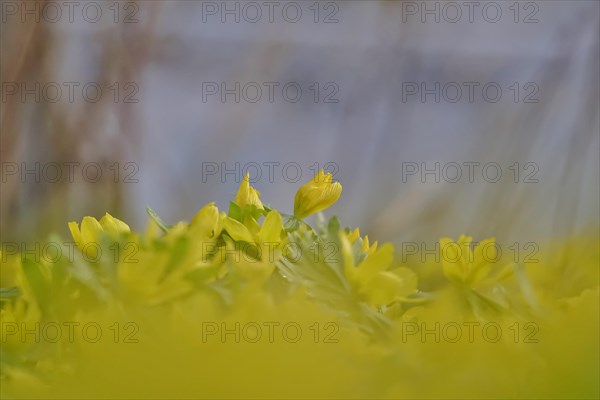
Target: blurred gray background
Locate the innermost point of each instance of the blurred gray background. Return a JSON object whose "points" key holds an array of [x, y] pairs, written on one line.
{"points": [[544, 55]]}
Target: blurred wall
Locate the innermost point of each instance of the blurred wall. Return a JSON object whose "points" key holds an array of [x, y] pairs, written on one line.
{"points": [[364, 113]]}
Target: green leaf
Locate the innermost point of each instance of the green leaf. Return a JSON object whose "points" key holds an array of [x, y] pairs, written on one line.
{"points": [[291, 224], [9, 293], [235, 211], [38, 282], [253, 211], [333, 227], [158, 220], [178, 253]]}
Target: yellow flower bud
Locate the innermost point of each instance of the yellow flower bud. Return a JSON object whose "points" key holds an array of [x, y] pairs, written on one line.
{"points": [[316, 195], [113, 226], [247, 194], [89, 231]]}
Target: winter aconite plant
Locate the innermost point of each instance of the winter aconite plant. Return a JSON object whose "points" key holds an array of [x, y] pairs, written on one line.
{"points": [[257, 303]]}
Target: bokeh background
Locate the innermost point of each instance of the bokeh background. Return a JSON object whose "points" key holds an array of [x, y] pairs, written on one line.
{"points": [[363, 56]]}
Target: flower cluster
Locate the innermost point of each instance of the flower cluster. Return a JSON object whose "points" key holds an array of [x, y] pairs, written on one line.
{"points": [[467, 325]]}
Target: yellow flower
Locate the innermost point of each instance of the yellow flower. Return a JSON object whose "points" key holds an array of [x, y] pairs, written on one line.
{"points": [[113, 226], [366, 247], [464, 265], [352, 236], [369, 249], [237, 230], [206, 222], [152, 279], [266, 241], [270, 237], [256, 270], [316, 195], [91, 229], [247, 194], [272, 227], [372, 279]]}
